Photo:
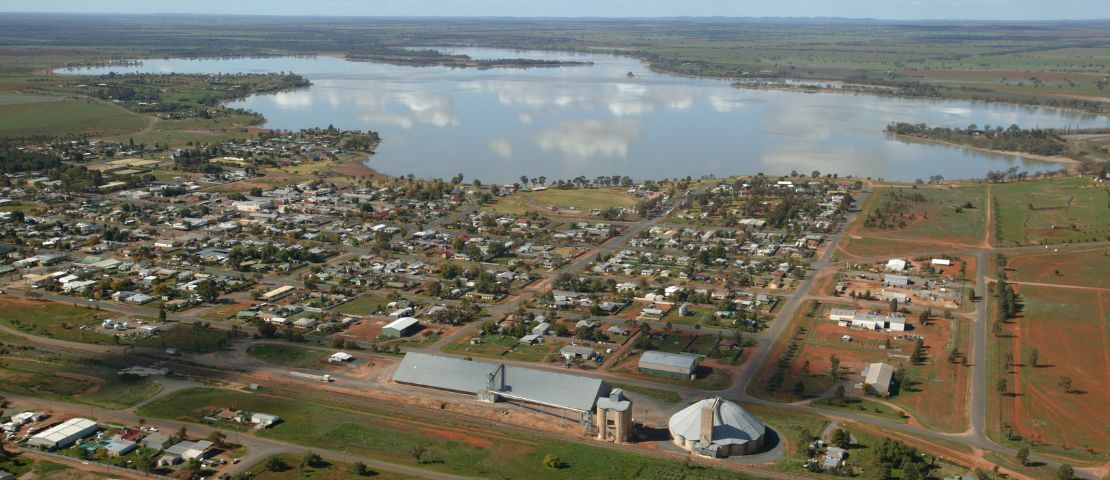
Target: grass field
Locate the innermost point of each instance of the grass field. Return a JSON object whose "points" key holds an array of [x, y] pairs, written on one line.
{"points": [[583, 200], [62, 117], [1080, 266], [292, 469], [315, 420], [364, 305], [1068, 327], [930, 220], [287, 355], [63, 322], [43, 374], [44, 470], [1051, 211], [501, 346]]}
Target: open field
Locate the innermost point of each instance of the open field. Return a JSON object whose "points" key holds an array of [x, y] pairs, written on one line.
{"points": [[364, 305], [577, 202], [1051, 211], [48, 375], [291, 469], [900, 219], [390, 436], [934, 390], [287, 355], [1058, 63], [1076, 266], [63, 117], [44, 470], [503, 346], [64, 322], [1068, 328]]}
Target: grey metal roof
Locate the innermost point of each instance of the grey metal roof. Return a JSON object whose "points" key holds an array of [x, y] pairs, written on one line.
{"points": [[402, 323], [538, 386], [731, 423], [674, 360]]}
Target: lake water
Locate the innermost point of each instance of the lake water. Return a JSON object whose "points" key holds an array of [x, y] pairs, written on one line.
{"points": [[565, 122]]}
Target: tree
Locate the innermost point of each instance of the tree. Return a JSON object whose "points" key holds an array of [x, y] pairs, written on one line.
{"points": [[834, 366], [182, 432], [1066, 472], [1023, 456], [1001, 386], [362, 470], [311, 460], [274, 464], [1065, 383], [839, 394], [1033, 357], [217, 438], [193, 467], [841, 438], [418, 452], [162, 313], [800, 389], [552, 461], [207, 291]]}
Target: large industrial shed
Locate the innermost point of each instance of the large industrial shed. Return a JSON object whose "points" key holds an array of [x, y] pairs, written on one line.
{"points": [[674, 365], [63, 434], [497, 381], [402, 327]]}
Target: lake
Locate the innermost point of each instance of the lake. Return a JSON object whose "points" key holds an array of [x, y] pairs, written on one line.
{"points": [[565, 122]]}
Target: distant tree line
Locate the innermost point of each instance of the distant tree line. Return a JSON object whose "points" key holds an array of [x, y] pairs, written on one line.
{"points": [[1012, 139]]}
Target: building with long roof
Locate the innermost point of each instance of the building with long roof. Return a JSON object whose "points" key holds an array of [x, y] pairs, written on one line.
{"points": [[497, 381], [717, 428], [673, 365], [64, 434]]}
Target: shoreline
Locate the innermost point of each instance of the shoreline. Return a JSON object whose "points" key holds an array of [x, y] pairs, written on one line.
{"points": [[1069, 162]]}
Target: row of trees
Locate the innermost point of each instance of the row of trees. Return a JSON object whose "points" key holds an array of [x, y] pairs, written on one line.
{"points": [[1012, 139]]}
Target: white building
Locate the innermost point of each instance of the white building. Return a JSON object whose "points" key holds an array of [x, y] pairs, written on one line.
{"points": [[63, 434]]}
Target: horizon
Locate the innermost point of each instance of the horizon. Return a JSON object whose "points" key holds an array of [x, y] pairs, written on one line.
{"points": [[873, 10]]}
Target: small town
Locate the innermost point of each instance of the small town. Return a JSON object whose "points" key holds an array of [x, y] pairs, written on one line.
{"points": [[318, 275]]}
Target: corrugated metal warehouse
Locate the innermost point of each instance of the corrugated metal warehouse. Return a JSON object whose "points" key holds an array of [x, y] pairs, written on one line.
{"points": [[63, 434], [500, 381], [402, 327], [674, 365]]}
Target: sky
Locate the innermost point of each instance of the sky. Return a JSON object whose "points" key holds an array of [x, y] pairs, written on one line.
{"points": [[880, 9]]}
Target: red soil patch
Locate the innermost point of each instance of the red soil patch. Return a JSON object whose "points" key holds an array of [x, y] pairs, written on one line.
{"points": [[367, 329], [1068, 327], [456, 436]]}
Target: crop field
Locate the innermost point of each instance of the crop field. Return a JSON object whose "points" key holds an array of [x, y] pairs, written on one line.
{"points": [[902, 219], [1068, 328], [390, 436], [1051, 212], [934, 390], [53, 116]]}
